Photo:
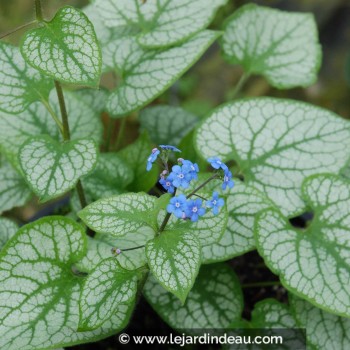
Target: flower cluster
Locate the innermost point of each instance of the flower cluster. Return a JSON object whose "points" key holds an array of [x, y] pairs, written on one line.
{"points": [[181, 176]]}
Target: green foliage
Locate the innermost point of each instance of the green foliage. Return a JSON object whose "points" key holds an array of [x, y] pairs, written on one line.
{"points": [[276, 144], [214, 301], [313, 263], [52, 169], [59, 287], [20, 84], [65, 48], [49, 293], [282, 46]]}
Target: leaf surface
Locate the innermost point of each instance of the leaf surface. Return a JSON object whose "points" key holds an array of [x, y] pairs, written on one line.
{"points": [[65, 48], [21, 85], [282, 46], [315, 263], [104, 290], [39, 294], [51, 168], [214, 301], [276, 143]]}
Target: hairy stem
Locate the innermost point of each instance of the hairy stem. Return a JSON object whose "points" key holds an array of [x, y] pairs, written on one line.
{"points": [[18, 29], [38, 11]]}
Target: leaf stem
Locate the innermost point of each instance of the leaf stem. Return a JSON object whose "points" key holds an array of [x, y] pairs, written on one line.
{"points": [[18, 29], [53, 114], [66, 137], [120, 133], [239, 86], [261, 284], [38, 11], [166, 219], [64, 114]]}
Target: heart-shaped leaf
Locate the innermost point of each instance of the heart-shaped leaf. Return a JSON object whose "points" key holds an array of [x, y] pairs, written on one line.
{"points": [[84, 121], [20, 84], [314, 263], [120, 215], [65, 48], [324, 330], [282, 46], [167, 125], [51, 169], [276, 143], [7, 230], [100, 248], [38, 288], [147, 74], [164, 23], [105, 289], [14, 191], [243, 202], [174, 258], [215, 300]]}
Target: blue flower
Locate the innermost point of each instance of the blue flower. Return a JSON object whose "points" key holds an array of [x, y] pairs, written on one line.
{"points": [[152, 158], [227, 180], [192, 168], [169, 148], [215, 203], [177, 206], [181, 176], [194, 209], [216, 163], [167, 183]]}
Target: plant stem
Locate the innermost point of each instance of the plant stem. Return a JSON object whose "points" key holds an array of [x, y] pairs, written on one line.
{"points": [[109, 134], [239, 85], [133, 248], [64, 114], [215, 176], [120, 133], [66, 137], [53, 114], [261, 284], [81, 195], [166, 219], [38, 10], [18, 29]]}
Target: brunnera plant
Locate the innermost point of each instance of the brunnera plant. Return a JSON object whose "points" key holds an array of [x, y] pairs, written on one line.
{"points": [[144, 220]]}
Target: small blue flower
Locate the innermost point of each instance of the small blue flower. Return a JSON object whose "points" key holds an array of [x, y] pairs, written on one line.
{"points": [[169, 148], [177, 206], [194, 209], [216, 163], [181, 176], [193, 168], [152, 158], [227, 180], [215, 203], [167, 183]]}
